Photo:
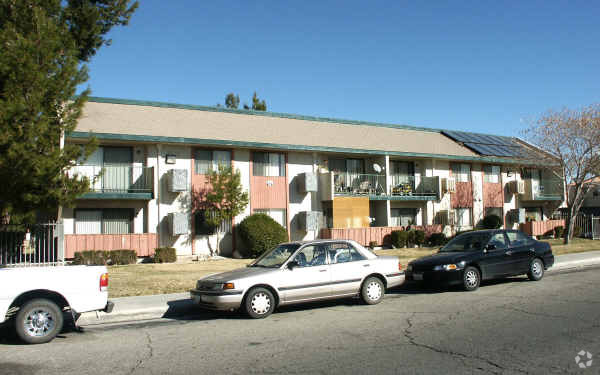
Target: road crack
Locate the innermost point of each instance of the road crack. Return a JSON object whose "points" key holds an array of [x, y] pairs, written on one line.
{"points": [[497, 369], [149, 355]]}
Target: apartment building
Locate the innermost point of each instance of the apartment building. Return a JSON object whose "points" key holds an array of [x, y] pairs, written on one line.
{"points": [[307, 173]]}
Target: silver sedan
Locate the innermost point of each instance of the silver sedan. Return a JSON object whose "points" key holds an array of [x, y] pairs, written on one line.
{"points": [[297, 272]]}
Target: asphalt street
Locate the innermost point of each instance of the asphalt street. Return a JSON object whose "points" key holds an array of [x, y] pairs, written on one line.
{"points": [[513, 326]]}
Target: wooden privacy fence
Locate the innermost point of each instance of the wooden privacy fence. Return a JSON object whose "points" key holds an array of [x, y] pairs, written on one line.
{"points": [[143, 243], [539, 228], [379, 235]]}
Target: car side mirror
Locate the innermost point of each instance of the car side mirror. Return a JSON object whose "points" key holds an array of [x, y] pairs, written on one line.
{"points": [[293, 264]]}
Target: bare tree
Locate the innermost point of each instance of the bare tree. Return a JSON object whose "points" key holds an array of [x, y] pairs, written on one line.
{"points": [[571, 140]]}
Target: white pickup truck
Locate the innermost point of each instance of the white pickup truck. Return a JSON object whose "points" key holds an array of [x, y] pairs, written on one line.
{"points": [[35, 298]]}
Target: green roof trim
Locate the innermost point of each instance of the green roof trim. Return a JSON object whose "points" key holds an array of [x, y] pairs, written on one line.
{"points": [[132, 196], [290, 147], [256, 113]]}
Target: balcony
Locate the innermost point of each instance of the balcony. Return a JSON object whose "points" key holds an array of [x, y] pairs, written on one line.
{"points": [[403, 188], [117, 182], [411, 188], [543, 190]]}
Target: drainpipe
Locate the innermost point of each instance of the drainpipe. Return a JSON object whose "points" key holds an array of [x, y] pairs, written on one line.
{"points": [[61, 146], [158, 226]]}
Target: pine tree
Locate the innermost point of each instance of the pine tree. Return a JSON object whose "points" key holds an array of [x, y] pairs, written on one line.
{"points": [[44, 44]]}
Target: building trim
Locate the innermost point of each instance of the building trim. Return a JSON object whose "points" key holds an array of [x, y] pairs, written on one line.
{"points": [[133, 196], [289, 147]]}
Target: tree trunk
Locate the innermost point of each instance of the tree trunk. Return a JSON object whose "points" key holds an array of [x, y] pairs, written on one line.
{"points": [[570, 226]]}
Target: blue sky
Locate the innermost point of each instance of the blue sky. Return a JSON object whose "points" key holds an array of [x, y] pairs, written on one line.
{"points": [[485, 66]]}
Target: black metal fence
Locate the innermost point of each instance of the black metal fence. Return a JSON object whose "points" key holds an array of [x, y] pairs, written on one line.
{"points": [[31, 245], [587, 226]]}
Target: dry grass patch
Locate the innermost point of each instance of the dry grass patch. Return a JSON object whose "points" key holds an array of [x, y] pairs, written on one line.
{"points": [[577, 245], [147, 279]]}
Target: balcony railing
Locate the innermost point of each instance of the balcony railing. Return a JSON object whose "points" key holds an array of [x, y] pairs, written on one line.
{"points": [[117, 179], [412, 188], [548, 189], [358, 184]]}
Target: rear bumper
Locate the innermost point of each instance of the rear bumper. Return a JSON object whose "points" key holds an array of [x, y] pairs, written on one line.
{"points": [[395, 279], [109, 307], [217, 301], [548, 261]]}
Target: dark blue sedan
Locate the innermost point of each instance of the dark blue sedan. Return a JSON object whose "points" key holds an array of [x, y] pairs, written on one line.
{"points": [[482, 255]]}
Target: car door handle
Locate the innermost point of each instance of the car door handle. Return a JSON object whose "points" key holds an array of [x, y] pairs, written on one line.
{"points": [[509, 252], [366, 265], [323, 270]]}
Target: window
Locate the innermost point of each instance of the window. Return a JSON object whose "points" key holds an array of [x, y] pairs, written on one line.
{"points": [[201, 226], [268, 164], [104, 221], [533, 214], [491, 173], [276, 214], [517, 238], [342, 253], [462, 172], [210, 160], [401, 217], [311, 256], [402, 172], [494, 211], [463, 217], [498, 240]]}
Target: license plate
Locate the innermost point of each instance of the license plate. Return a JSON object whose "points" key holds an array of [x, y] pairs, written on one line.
{"points": [[418, 276]]}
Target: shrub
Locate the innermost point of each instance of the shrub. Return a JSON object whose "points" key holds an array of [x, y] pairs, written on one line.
{"points": [[577, 231], [437, 239], [165, 255], [122, 257], [419, 237], [559, 232], [492, 222], [91, 257], [399, 238], [260, 233], [410, 238], [372, 244]]}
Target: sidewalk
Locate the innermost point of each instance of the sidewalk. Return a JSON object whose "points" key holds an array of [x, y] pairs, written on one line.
{"points": [[129, 309]]}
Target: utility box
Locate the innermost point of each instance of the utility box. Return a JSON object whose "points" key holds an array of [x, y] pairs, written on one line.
{"points": [[307, 182], [309, 220], [178, 180], [178, 223]]}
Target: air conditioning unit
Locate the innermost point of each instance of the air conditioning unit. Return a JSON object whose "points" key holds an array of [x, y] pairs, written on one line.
{"points": [[517, 187], [307, 182], [449, 185], [178, 180], [178, 223], [309, 220]]}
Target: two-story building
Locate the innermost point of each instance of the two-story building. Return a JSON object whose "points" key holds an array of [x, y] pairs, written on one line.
{"points": [[307, 173]]}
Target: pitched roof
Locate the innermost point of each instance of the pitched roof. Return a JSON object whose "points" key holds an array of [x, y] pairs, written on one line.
{"points": [[131, 120]]}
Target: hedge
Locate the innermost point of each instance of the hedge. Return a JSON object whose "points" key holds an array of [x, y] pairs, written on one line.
{"points": [[260, 233], [165, 255], [492, 222], [437, 239], [104, 257], [559, 231]]}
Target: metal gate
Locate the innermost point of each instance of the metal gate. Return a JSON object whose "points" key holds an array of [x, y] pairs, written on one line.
{"points": [[24, 245], [596, 227]]}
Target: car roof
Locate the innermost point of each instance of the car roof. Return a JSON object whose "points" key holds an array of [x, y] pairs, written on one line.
{"points": [[315, 242]]}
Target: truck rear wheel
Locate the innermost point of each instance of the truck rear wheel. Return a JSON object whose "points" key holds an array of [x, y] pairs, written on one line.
{"points": [[39, 321]]}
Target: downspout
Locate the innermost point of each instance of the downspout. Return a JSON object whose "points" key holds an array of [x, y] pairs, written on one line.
{"points": [[158, 226]]}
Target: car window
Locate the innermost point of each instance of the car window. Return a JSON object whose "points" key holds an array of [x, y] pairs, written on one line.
{"points": [[472, 241], [311, 256], [343, 253], [517, 238], [498, 240]]}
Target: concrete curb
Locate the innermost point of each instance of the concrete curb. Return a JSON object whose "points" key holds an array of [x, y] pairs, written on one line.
{"points": [[131, 309]]}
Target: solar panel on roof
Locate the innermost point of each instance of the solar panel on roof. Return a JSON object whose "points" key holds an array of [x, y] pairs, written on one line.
{"points": [[484, 144]]}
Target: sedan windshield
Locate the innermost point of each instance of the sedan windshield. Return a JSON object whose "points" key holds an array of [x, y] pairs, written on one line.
{"points": [[467, 242], [276, 257]]}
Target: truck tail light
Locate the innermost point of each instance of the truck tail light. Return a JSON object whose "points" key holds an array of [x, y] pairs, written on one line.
{"points": [[399, 266], [104, 282]]}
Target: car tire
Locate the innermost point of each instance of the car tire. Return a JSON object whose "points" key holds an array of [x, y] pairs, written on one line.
{"points": [[471, 279], [39, 321], [536, 270], [372, 291], [259, 303]]}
